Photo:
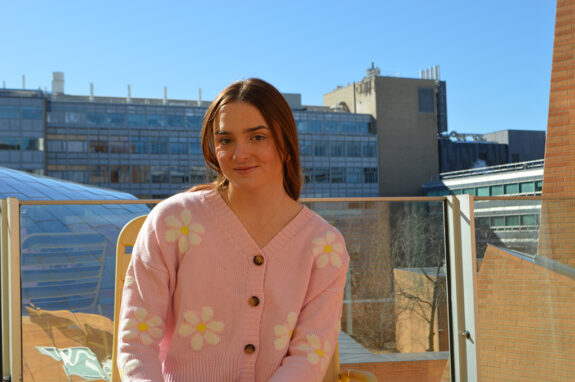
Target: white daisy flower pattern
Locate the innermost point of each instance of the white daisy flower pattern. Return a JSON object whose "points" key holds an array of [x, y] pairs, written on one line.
{"points": [[316, 354], [127, 365], [183, 230], [327, 250], [201, 328], [283, 333], [142, 326]]}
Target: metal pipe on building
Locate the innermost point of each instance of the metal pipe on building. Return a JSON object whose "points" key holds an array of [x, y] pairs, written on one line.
{"points": [[91, 91], [129, 99], [165, 95]]}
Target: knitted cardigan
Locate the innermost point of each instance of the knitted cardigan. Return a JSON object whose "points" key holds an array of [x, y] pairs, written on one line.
{"points": [[202, 302]]}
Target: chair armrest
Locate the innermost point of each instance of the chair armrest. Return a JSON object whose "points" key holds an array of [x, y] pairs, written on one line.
{"points": [[350, 375]]}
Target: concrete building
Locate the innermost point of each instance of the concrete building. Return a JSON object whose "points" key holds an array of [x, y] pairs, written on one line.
{"points": [[409, 113]]}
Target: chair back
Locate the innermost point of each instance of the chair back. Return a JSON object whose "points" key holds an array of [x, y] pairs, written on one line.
{"points": [[126, 241]]}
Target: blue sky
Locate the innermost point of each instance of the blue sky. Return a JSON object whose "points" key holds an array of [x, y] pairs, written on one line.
{"points": [[494, 54]]}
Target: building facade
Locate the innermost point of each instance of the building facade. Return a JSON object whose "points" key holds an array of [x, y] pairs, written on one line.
{"points": [[409, 113], [151, 147]]}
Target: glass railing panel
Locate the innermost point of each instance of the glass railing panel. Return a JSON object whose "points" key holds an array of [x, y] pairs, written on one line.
{"points": [[526, 289], [68, 257], [395, 303]]}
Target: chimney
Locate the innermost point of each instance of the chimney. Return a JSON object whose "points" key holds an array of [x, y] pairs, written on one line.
{"points": [[57, 83]]}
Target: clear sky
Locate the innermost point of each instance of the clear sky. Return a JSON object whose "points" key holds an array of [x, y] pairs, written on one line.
{"points": [[495, 55]]}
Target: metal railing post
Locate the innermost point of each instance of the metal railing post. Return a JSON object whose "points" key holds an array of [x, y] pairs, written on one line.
{"points": [[14, 289], [462, 284]]}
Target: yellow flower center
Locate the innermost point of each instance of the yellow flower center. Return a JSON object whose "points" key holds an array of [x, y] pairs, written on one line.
{"points": [[328, 248], [319, 352], [201, 327], [184, 230], [142, 326]]}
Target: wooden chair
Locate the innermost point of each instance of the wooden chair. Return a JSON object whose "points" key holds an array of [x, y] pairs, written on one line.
{"points": [[126, 241]]}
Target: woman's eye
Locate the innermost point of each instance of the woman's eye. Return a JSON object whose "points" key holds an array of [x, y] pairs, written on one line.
{"points": [[224, 141], [258, 137]]}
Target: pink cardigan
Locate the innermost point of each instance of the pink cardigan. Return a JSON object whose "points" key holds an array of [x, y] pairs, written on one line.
{"points": [[202, 302]]}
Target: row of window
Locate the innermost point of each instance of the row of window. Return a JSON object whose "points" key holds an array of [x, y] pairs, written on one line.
{"points": [[338, 148], [338, 175], [196, 174], [24, 144], [508, 221], [532, 187], [329, 123], [191, 145], [25, 112], [132, 174]]}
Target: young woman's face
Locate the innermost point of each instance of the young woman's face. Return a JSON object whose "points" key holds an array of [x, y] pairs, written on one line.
{"points": [[245, 148]]}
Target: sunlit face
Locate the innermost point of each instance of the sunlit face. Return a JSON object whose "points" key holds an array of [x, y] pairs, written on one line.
{"points": [[245, 148]]}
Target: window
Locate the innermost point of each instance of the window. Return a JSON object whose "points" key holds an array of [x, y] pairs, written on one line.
{"points": [[193, 122], [331, 126], [10, 143], [482, 222], [120, 145], [140, 145], [33, 144], [512, 220], [348, 126], [338, 174], [370, 175], [176, 121], [98, 174], [369, 149], [32, 113], [155, 120], [498, 221], [178, 145], [302, 126], [159, 145], [116, 119], [159, 174], [353, 149], [195, 146], [496, 190], [320, 147], [308, 174], [529, 219], [140, 174], [527, 187], [98, 146], [76, 146], [470, 191], [483, 191], [179, 175], [10, 112], [95, 118], [512, 188], [354, 175], [337, 148], [321, 175], [136, 120], [539, 186], [426, 102], [120, 174], [197, 175], [305, 148]]}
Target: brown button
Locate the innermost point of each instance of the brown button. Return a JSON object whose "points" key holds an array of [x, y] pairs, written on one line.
{"points": [[254, 301], [258, 259], [249, 349]]}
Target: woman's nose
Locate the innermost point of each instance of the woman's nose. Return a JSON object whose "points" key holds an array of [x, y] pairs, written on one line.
{"points": [[241, 151]]}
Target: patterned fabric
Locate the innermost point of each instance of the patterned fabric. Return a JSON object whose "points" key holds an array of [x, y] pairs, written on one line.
{"points": [[196, 306]]}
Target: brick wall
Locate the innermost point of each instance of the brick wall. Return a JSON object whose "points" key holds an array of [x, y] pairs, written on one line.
{"points": [[557, 232], [525, 325]]}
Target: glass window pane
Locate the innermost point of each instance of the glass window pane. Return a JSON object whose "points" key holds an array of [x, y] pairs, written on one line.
{"points": [[511, 188], [527, 187], [32, 113], [539, 186], [470, 191], [498, 221], [482, 191], [512, 220], [353, 149], [496, 190]]}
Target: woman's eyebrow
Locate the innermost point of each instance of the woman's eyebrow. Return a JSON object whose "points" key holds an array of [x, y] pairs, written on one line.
{"points": [[248, 130]]}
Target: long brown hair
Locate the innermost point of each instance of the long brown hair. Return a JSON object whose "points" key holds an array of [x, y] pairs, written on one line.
{"points": [[278, 116]]}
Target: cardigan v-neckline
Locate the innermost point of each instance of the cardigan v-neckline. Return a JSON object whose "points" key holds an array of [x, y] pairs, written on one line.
{"points": [[232, 225]]}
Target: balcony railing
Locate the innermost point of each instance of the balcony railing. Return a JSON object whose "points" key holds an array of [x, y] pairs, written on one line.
{"points": [[425, 285]]}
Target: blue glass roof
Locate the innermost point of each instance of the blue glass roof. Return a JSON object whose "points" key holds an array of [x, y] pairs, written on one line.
{"points": [[68, 251]]}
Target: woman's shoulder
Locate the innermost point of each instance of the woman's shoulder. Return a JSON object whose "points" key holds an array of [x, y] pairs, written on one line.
{"points": [[183, 201]]}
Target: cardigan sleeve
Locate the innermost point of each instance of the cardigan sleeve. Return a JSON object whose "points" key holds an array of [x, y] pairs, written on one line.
{"points": [[144, 308], [315, 336]]}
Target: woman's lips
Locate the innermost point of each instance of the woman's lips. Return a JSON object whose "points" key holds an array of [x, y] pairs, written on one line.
{"points": [[244, 170]]}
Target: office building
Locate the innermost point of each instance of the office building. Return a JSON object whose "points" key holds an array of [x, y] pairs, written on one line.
{"points": [[151, 147]]}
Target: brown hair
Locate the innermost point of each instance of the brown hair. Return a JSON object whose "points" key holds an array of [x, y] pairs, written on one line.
{"points": [[277, 114]]}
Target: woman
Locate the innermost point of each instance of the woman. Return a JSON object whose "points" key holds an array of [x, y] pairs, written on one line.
{"points": [[235, 280]]}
